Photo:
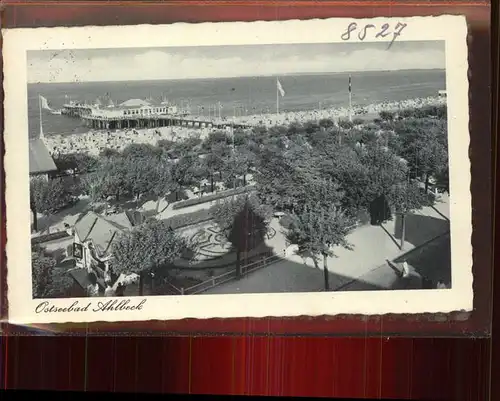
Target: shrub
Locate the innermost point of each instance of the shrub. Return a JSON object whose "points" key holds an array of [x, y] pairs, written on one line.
{"points": [[387, 115], [346, 124], [286, 221]]}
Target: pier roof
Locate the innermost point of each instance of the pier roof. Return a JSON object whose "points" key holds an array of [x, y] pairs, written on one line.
{"points": [[135, 103], [39, 158]]}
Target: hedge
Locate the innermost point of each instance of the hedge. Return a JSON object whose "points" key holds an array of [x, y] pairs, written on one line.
{"points": [[211, 198], [188, 219], [49, 237]]}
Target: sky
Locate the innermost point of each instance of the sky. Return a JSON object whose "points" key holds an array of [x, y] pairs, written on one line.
{"points": [[100, 65]]}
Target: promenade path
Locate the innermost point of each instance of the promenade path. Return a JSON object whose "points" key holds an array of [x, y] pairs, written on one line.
{"points": [[371, 246], [169, 211]]}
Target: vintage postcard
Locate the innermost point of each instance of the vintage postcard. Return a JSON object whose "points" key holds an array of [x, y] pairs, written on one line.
{"points": [[293, 168]]}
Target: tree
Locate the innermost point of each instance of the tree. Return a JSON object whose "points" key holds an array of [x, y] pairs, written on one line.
{"points": [[424, 146], [326, 123], [243, 220], [212, 164], [343, 165], [48, 196], [216, 138], [141, 173], [286, 179], [163, 182], [317, 229], [48, 281], [407, 197], [94, 185], [107, 152], [182, 172], [109, 179], [237, 165], [443, 179], [79, 163], [187, 146], [147, 247], [384, 170], [220, 154], [387, 115], [141, 151]]}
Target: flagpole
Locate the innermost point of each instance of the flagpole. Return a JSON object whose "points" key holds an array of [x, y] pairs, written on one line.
{"points": [[277, 98], [350, 99], [40, 110]]}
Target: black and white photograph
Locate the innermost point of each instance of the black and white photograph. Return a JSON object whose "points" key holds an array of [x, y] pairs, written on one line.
{"points": [[204, 171]]}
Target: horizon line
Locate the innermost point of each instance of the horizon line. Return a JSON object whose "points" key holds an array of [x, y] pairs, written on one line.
{"points": [[241, 76]]}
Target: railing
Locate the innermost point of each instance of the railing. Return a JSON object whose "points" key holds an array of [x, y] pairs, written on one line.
{"points": [[172, 287], [226, 277]]}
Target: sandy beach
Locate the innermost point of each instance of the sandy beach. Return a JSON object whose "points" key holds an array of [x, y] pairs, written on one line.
{"points": [[93, 142], [337, 113]]}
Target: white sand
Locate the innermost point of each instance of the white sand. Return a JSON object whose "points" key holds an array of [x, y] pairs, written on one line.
{"points": [[93, 142]]}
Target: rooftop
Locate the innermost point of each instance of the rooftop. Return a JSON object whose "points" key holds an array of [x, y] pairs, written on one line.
{"points": [[39, 158], [102, 230], [135, 103]]}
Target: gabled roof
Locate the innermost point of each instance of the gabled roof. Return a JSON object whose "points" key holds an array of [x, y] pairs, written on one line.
{"points": [[102, 230], [39, 158]]}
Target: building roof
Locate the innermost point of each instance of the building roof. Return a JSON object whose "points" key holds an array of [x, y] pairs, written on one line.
{"points": [[81, 277], [39, 158], [102, 230], [135, 103]]}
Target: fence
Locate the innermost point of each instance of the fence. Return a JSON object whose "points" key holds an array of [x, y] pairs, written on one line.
{"points": [[226, 277], [173, 288]]}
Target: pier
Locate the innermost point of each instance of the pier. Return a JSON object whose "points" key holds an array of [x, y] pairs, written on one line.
{"points": [[140, 114], [157, 121], [76, 110]]}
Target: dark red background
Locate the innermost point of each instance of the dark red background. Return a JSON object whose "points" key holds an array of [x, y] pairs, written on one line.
{"points": [[432, 369], [436, 369]]}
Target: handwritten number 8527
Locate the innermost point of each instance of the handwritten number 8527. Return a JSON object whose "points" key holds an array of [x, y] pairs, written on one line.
{"points": [[380, 32]]}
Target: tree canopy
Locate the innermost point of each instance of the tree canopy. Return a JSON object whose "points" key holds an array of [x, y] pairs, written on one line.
{"points": [[243, 219], [316, 230], [48, 281], [49, 196], [147, 247], [78, 162]]}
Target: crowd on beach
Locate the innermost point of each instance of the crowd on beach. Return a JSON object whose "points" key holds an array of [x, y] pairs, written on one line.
{"points": [[95, 141], [284, 118]]}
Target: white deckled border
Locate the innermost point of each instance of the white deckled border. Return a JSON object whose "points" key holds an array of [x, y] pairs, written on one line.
{"points": [[451, 29]]}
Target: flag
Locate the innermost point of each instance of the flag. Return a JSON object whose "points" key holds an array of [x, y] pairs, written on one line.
{"points": [[44, 104], [350, 85], [280, 88]]}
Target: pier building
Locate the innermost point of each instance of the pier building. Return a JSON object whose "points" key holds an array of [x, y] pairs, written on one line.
{"points": [[140, 114]]}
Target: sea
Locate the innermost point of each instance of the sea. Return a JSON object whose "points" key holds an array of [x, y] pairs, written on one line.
{"points": [[237, 96]]}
